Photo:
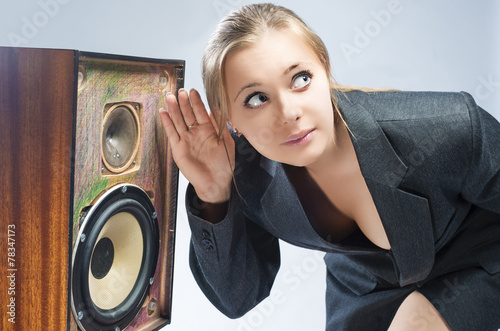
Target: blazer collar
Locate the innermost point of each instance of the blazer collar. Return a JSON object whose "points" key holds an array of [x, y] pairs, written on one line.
{"points": [[406, 217], [376, 156]]}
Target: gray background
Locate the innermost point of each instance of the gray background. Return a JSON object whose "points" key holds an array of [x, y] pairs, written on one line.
{"points": [[421, 45]]}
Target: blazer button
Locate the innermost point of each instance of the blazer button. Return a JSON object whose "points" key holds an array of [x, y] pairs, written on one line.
{"points": [[205, 234], [207, 244]]}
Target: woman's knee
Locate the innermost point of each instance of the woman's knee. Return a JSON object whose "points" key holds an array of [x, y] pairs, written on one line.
{"points": [[416, 313]]}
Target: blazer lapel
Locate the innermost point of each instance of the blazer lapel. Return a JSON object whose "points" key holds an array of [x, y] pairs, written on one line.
{"points": [[283, 210], [406, 217]]}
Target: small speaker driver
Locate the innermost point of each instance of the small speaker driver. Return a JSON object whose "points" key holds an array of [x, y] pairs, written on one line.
{"points": [[120, 136]]}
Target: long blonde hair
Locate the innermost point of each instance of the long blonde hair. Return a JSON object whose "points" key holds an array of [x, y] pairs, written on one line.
{"points": [[242, 28]]}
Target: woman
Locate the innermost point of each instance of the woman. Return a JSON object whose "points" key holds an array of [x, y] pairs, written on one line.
{"points": [[400, 189]]}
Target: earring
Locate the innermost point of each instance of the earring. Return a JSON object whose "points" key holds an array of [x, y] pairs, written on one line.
{"points": [[238, 133]]}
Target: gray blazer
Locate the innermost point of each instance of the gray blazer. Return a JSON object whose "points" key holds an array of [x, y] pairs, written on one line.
{"points": [[432, 164]]}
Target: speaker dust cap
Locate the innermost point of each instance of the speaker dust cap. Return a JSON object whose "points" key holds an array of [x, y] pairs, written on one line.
{"points": [[120, 136], [114, 259]]}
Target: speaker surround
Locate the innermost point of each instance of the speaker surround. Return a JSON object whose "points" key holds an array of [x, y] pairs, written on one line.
{"points": [[122, 217]]}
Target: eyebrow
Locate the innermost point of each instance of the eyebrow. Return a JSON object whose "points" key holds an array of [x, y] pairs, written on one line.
{"points": [[287, 70], [245, 87], [290, 68]]}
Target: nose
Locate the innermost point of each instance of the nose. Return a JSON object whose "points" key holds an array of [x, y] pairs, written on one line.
{"points": [[288, 111]]}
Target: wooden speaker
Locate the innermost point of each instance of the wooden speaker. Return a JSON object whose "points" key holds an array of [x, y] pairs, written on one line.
{"points": [[88, 190]]}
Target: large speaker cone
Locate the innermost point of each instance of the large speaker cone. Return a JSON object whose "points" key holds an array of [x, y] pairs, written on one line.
{"points": [[120, 137], [114, 259]]}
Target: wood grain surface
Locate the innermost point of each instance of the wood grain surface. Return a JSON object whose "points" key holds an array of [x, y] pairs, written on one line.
{"points": [[36, 121]]}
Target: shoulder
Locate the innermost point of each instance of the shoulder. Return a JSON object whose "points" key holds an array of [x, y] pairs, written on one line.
{"points": [[430, 131], [412, 121], [408, 105]]}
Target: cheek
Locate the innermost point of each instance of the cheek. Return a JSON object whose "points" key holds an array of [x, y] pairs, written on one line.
{"points": [[322, 105], [261, 134], [259, 125]]}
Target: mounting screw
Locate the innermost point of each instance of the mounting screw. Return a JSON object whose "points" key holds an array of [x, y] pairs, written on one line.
{"points": [[82, 239], [80, 315], [155, 215], [124, 189], [151, 280]]}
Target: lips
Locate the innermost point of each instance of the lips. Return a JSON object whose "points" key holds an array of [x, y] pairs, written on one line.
{"points": [[299, 138]]}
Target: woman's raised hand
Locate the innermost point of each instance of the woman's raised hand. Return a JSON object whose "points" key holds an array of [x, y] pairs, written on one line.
{"points": [[205, 161]]}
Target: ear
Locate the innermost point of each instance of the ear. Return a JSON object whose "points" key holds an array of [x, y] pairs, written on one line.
{"points": [[233, 128]]}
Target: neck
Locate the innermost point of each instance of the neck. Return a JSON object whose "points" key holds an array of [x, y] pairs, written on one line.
{"points": [[338, 158]]}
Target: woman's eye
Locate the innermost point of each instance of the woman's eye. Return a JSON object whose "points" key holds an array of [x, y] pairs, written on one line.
{"points": [[301, 80], [255, 100]]}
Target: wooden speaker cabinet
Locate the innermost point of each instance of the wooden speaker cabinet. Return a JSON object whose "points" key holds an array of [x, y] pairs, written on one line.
{"points": [[88, 190]]}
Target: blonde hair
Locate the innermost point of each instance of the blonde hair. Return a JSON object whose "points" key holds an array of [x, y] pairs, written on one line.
{"points": [[242, 28]]}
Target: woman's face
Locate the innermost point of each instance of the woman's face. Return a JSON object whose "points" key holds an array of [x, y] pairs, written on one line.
{"points": [[279, 98]]}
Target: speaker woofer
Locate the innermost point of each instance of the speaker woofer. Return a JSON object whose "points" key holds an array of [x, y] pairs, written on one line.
{"points": [[120, 136], [114, 259]]}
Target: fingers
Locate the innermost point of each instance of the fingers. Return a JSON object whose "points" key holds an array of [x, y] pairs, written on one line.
{"points": [[186, 108], [175, 113], [170, 130], [183, 112], [214, 123], [199, 110]]}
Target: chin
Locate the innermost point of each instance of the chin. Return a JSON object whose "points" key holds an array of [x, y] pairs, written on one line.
{"points": [[295, 156], [302, 159]]}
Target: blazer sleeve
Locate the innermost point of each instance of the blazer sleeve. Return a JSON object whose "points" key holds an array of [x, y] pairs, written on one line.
{"points": [[482, 182], [234, 261]]}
